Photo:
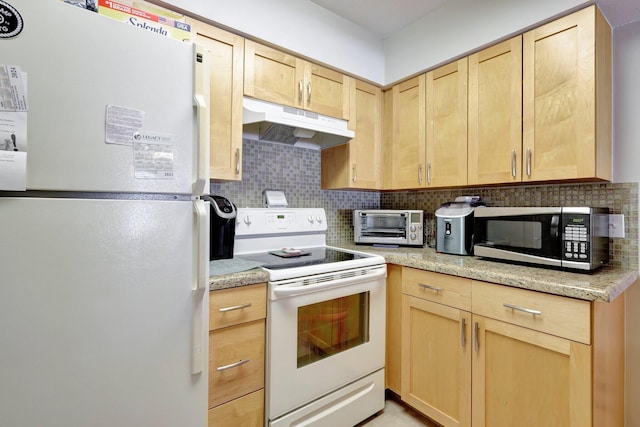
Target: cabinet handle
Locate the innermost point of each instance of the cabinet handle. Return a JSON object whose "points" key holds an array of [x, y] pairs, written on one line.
{"points": [[234, 307], [431, 287], [524, 310], [463, 337], [300, 91], [309, 93], [428, 173], [355, 173], [513, 163], [237, 161], [476, 340], [420, 173], [528, 161], [233, 365]]}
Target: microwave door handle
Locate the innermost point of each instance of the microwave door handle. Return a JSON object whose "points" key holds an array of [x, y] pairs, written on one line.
{"points": [[555, 225]]}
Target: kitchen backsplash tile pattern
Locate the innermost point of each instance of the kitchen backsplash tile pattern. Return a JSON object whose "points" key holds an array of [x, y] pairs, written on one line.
{"points": [[296, 171], [619, 198]]}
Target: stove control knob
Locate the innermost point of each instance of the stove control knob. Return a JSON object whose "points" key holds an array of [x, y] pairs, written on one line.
{"points": [[247, 219], [319, 219], [310, 219]]}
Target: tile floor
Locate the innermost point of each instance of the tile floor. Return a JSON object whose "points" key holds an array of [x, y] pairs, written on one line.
{"points": [[395, 414]]}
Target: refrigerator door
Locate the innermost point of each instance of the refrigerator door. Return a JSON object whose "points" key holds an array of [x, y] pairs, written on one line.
{"points": [[79, 63], [102, 319]]}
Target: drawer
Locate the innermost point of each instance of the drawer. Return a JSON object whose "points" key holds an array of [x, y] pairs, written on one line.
{"points": [[237, 305], [246, 411], [441, 288], [236, 361], [556, 315]]}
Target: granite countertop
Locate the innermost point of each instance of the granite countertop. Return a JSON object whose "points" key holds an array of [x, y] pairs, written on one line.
{"points": [[234, 280], [604, 284]]}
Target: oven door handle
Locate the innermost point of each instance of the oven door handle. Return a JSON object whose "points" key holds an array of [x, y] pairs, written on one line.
{"points": [[298, 287]]}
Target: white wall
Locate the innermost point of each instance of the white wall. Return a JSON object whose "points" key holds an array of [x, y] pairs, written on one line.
{"points": [[302, 27], [626, 158], [461, 26]]}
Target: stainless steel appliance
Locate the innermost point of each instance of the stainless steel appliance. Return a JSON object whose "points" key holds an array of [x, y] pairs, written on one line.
{"points": [[566, 237], [325, 322], [223, 226], [454, 226], [388, 226], [104, 257]]}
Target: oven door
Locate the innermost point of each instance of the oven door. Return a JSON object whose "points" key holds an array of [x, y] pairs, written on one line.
{"points": [[521, 234], [324, 332]]}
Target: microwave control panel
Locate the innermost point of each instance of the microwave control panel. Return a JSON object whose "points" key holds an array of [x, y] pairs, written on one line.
{"points": [[576, 237]]}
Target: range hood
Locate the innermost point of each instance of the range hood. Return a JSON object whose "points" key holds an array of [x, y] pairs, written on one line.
{"points": [[277, 123]]}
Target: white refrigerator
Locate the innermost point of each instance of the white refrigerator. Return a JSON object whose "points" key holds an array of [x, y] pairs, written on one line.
{"points": [[104, 258]]}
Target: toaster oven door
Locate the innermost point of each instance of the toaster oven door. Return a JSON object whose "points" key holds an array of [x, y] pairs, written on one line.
{"points": [[380, 227]]}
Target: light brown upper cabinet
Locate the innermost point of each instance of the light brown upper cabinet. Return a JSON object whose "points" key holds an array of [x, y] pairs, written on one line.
{"points": [[446, 126], [429, 129], [408, 137], [567, 99], [281, 78], [358, 163], [495, 114], [226, 98]]}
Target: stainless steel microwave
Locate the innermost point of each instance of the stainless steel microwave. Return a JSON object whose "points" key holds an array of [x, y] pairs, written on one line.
{"points": [[573, 238], [393, 227]]}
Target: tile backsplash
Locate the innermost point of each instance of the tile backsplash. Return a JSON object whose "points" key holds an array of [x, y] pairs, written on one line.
{"points": [[296, 171]]}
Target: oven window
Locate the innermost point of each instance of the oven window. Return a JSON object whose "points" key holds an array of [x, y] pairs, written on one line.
{"points": [[330, 327], [515, 234]]}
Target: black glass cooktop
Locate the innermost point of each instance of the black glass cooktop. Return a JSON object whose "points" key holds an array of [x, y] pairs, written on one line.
{"points": [[312, 256]]}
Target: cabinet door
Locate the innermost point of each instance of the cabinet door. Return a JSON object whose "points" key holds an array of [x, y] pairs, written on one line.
{"points": [[495, 114], [567, 98], [358, 164], [226, 99], [366, 147], [409, 168], [446, 125], [326, 91], [527, 378], [272, 75], [436, 361]]}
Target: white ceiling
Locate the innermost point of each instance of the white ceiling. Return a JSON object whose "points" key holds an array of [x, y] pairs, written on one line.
{"points": [[381, 17], [385, 17]]}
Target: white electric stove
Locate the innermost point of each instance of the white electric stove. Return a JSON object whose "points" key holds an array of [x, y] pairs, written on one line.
{"points": [[325, 319]]}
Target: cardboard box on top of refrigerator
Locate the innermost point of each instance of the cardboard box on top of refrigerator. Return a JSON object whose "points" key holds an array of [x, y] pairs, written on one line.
{"points": [[140, 14]]}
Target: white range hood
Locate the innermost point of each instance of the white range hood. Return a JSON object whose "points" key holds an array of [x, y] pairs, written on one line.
{"points": [[277, 123]]}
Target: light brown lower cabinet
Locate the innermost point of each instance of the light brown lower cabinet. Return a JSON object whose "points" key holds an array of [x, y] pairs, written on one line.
{"points": [[480, 354], [244, 411], [236, 356]]}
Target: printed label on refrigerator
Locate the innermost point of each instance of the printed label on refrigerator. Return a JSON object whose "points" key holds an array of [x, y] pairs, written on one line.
{"points": [[153, 155], [13, 128], [122, 123], [13, 94]]}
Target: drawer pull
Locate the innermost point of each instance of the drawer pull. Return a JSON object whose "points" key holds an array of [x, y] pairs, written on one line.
{"points": [[233, 365], [433, 288], [524, 310], [235, 307], [463, 338]]}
